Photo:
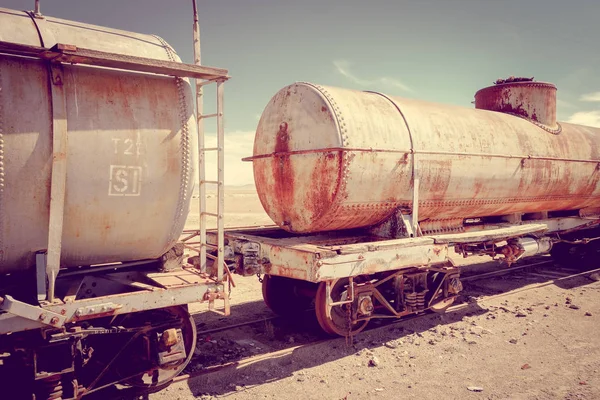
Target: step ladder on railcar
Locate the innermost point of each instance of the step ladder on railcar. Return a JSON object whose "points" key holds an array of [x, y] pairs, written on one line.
{"points": [[204, 246], [200, 245]]}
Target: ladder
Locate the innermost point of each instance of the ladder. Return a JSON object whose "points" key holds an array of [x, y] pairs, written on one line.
{"points": [[202, 149], [204, 246]]}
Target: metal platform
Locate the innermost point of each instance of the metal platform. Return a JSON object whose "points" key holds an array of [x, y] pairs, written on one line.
{"points": [[337, 254], [69, 54], [143, 291]]}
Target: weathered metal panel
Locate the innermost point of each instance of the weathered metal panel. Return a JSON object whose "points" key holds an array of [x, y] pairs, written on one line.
{"points": [[320, 257], [130, 157], [328, 159], [389, 259]]}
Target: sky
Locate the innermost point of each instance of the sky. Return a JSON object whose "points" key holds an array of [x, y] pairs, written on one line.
{"points": [[434, 50]]}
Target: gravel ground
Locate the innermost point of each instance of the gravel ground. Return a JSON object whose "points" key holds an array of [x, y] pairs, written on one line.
{"points": [[529, 343]]}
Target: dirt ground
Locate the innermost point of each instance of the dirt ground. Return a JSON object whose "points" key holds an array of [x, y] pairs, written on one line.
{"points": [[526, 336]]}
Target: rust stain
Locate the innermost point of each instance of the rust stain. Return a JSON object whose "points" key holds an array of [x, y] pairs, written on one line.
{"points": [[289, 272], [283, 174], [478, 185], [173, 163], [93, 316], [325, 177]]}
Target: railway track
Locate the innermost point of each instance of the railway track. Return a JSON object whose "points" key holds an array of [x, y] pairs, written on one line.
{"points": [[530, 269], [540, 269]]}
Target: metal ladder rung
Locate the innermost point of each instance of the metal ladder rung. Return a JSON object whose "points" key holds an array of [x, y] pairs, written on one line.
{"points": [[210, 246], [207, 82], [210, 214], [209, 115], [213, 182], [210, 149]]}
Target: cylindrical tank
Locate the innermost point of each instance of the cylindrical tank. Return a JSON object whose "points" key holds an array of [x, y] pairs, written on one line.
{"points": [[131, 148], [328, 158]]}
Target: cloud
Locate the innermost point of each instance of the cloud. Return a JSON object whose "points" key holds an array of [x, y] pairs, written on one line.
{"points": [[343, 67], [238, 144], [564, 104], [589, 118], [595, 97]]}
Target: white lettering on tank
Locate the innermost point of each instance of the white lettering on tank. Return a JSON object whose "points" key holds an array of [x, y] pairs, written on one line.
{"points": [[129, 147], [116, 143], [138, 144], [125, 180]]}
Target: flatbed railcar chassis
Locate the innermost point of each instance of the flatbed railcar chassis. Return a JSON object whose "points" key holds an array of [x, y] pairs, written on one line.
{"points": [[351, 277], [354, 276]]}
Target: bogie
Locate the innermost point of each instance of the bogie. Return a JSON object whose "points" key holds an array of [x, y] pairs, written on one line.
{"points": [[143, 351], [345, 306]]}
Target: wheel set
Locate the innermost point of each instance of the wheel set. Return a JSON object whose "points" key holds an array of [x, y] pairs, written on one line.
{"points": [[344, 306]]}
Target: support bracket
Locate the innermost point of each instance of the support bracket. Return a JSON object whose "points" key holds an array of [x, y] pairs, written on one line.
{"points": [[58, 178], [33, 313]]}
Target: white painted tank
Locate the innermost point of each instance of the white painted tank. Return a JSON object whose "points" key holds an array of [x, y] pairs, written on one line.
{"points": [[329, 158], [131, 148]]}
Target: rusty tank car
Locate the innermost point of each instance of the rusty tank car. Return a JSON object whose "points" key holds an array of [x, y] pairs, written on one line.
{"points": [[98, 159], [328, 158], [370, 193], [135, 130]]}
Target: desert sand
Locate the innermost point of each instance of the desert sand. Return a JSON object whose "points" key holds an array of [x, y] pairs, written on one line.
{"points": [[242, 208]]}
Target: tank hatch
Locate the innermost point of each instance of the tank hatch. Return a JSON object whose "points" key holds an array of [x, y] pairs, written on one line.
{"points": [[524, 98]]}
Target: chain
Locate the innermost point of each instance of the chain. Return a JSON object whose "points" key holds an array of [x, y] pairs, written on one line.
{"points": [[228, 279], [349, 338], [259, 278]]}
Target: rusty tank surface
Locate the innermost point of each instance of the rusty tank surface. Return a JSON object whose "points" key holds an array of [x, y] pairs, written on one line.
{"points": [[328, 158], [131, 144]]}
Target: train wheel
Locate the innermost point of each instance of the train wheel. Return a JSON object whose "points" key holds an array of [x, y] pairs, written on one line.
{"points": [[441, 306], [338, 323], [282, 295], [155, 378]]}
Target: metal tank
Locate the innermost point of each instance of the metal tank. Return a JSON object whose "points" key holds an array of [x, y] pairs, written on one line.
{"points": [[328, 158], [130, 146]]}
